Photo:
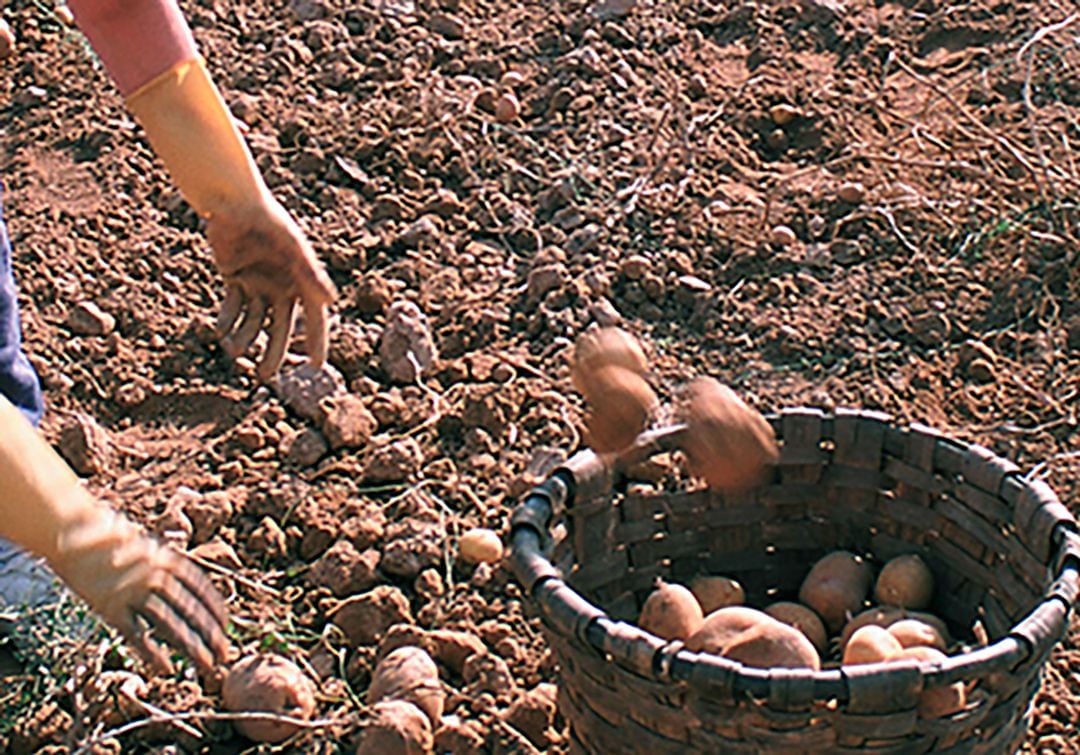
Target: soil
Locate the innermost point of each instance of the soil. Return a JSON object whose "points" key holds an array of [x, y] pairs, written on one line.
{"points": [[918, 154]]}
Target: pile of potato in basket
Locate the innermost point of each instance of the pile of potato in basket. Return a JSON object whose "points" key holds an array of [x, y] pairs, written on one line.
{"points": [[730, 445]]}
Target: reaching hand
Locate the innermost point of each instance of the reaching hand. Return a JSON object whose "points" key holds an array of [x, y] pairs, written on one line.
{"points": [[269, 267], [147, 591]]}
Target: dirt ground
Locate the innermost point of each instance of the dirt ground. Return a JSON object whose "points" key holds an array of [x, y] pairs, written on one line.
{"points": [[924, 164]]}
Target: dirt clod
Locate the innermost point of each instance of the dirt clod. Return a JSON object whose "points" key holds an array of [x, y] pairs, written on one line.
{"points": [[86, 445], [365, 618]]}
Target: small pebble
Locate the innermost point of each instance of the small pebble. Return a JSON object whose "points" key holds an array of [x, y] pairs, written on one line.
{"points": [[782, 235]]}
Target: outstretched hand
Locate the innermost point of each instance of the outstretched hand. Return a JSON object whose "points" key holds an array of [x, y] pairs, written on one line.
{"points": [[269, 268], [149, 592]]}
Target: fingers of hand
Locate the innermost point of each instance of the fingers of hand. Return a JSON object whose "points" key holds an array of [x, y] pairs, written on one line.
{"points": [[230, 309], [241, 339], [156, 656], [317, 336], [198, 585], [173, 621], [281, 327]]}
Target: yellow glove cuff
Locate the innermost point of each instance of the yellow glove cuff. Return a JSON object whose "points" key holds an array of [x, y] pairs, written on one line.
{"points": [[194, 134]]}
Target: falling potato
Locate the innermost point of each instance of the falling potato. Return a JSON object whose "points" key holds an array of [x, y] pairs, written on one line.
{"points": [[727, 443]]}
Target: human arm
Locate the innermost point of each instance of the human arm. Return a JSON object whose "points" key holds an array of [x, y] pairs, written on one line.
{"points": [[267, 263], [134, 583]]}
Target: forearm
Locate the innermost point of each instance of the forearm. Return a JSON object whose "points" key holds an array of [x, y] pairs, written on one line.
{"points": [[40, 497], [137, 40]]}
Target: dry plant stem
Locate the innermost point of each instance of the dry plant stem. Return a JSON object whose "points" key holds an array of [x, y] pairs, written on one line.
{"points": [[164, 717], [226, 572]]}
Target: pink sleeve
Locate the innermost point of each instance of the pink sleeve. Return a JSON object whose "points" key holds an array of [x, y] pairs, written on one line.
{"points": [[137, 40]]}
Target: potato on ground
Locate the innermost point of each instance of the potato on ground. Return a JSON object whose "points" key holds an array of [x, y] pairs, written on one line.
{"points": [[408, 673], [836, 587], [905, 582], [937, 702], [871, 644], [671, 612], [728, 444], [804, 619], [398, 728], [722, 626], [272, 684], [717, 592]]}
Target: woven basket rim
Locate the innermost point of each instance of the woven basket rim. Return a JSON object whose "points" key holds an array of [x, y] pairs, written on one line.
{"points": [[565, 611]]}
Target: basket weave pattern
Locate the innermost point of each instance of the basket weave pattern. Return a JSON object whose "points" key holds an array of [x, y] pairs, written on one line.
{"points": [[1004, 551]]}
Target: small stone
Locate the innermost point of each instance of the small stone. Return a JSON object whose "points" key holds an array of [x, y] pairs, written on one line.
{"points": [[634, 267], [444, 203], [481, 546], [448, 26], [269, 540], [348, 423], [608, 10], [88, 319], [486, 672], [85, 445], [407, 347], [309, 10], [851, 192], [507, 108], [424, 229], [208, 513], [365, 618], [981, 371], [460, 737], [533, 714], [372, 294], [304, 388], [512, 80], [305, 448], [545, 279], [344, 570], [454, 647], [783, 114], [782, 235], [394, 462]]}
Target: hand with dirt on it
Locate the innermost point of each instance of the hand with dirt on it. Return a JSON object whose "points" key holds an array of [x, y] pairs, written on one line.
{"points": [[269, 268], [147, 591]]}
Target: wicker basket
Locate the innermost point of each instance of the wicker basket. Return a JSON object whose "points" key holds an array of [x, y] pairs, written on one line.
{"points": [[1004, 550]]}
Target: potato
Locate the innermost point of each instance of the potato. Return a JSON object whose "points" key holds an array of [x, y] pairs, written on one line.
{"points": [[886, 617], [480, 546], [937, 702], [871, 644], [727, 443], [408, 673], [671, 612], [804, 619], [836, 587], [620, 404], [915, 633], [773, 644], [717, 592], [398, 728], [268, 683], [905, 582], [605, 347], [722, 626]]}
